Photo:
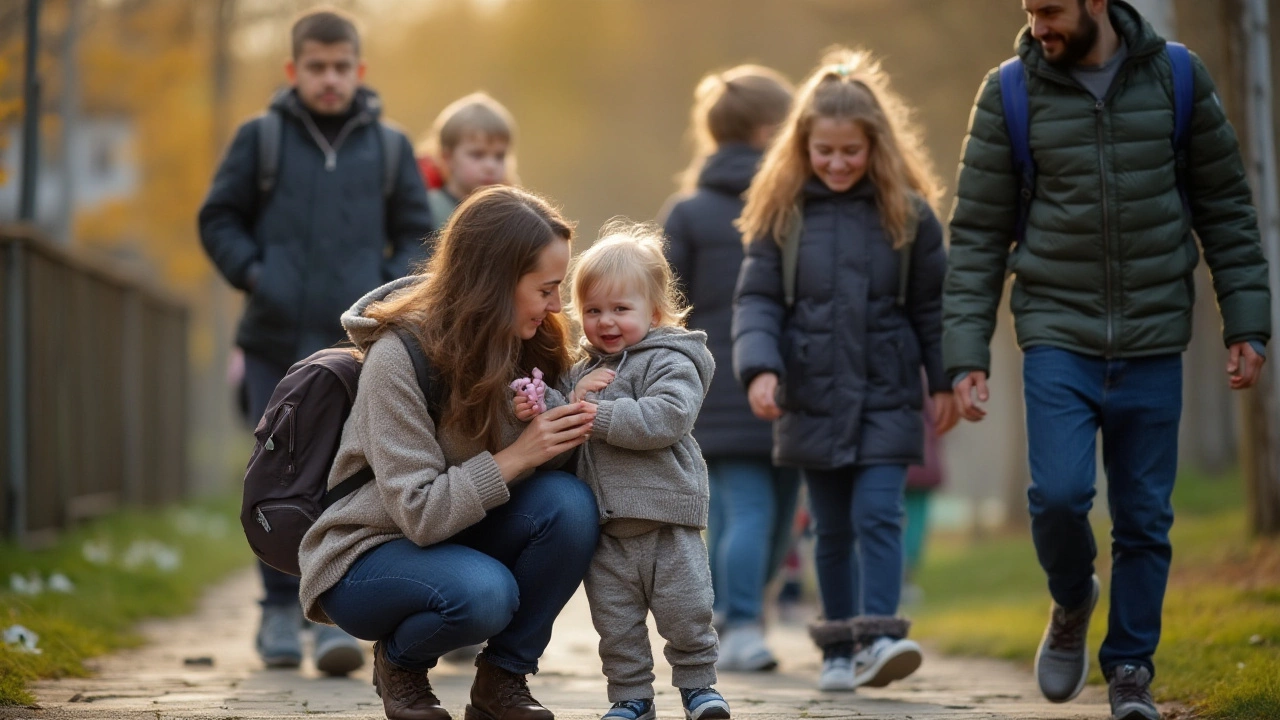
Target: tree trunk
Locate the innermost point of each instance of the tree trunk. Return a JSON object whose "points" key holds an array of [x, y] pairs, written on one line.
{"points": [[1251, 63]]}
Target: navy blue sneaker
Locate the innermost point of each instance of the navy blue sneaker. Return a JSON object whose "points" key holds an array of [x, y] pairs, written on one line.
{"points": [[704, 704], [631, 710]]}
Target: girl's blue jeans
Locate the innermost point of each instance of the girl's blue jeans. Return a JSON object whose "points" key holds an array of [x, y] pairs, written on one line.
{"points": [[857, 514]]}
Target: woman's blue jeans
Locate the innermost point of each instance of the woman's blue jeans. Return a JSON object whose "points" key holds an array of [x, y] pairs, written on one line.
{"points": [[504, 579], [753, 504], [857, 514]]}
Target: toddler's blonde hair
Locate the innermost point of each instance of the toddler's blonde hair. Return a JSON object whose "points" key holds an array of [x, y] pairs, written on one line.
{"points": [[628, 255]]}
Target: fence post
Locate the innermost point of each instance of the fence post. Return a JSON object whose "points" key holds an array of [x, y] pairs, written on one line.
{"points": [[16, 388]]}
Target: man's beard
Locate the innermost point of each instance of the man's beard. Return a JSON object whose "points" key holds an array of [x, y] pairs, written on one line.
{"points": [[1078, 44]]}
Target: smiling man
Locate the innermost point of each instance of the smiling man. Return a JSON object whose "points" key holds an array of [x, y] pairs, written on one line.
{"points": [[315, 203], [1097, 230]]}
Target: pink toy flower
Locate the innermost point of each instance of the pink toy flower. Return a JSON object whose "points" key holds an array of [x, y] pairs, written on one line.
{"points": [[534, 389]]}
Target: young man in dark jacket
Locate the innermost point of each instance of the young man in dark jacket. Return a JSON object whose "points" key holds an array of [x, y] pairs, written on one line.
{"points": [[1102, 303], [305, 244]]}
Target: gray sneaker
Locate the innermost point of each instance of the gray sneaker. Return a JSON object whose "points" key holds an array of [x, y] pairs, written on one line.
{"points": [[277, 641], [1130, 693], [1062, 664], [742, 649], [336, 653]]}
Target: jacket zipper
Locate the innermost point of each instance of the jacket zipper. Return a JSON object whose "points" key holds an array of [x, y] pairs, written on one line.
{"points": [[330, 151], [1099, 108], [270, 444]]}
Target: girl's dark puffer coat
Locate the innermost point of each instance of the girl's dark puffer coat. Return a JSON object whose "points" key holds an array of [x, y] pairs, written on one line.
{"points": [[848, 356]]}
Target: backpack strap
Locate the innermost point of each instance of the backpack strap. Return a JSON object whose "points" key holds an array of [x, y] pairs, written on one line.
{"points": [[911, 229], [270, 127], [791, 255], [428, 379], [1184, 89], [390, 158], [428, 382], [1017, 121]]}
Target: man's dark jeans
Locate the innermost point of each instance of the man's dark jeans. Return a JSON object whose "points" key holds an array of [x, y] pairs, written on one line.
{"points": [[1136, 403], [504, 579]]}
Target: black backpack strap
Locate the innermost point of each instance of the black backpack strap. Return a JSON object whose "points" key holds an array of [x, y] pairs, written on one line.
{"points": [[428, 382], [270, 127], [346, 487]]}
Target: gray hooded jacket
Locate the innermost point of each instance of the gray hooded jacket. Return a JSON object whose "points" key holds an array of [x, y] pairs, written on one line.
{"points": [[642, 461]]}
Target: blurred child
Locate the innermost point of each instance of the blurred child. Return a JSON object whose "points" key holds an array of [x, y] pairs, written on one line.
{"points": [[468, 148], [735, 114], [838, 308], [648, 376]]}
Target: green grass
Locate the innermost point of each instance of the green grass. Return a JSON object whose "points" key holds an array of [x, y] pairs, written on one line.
{"points": [[110, 596], [1220, 646]]}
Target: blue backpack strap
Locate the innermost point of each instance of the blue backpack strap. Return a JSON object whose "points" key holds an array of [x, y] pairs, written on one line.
{"points": [[1184, 90], [1017, 121]]}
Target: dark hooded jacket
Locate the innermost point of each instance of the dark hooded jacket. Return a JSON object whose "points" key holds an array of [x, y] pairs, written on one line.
{"points": [[705, 251], [325, 234]]}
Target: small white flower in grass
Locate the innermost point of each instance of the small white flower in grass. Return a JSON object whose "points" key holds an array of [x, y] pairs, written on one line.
{"points": [[22, 639], [30, 584], [144, 552], [97, 552], [60, 583]]}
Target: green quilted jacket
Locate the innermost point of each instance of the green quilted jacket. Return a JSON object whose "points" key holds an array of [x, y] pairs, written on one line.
{"points": [[1106, 266]]}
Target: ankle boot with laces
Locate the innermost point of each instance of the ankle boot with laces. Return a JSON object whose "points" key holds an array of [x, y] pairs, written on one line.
{"points": [[406, 694], [498, 694]]}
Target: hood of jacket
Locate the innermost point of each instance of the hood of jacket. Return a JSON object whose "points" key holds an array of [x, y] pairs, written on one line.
{"points": [[729, 170], [691, 343], [363, 330]]}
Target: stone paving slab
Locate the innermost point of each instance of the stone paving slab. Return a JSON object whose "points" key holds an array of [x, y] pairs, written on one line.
{"points": [[154, 682]]}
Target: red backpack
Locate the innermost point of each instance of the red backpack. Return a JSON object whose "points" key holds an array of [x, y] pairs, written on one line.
{"points": [[297, 439]]}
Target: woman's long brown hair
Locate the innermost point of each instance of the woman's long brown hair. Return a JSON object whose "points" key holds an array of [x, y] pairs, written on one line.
{"points": [[465, 309]]}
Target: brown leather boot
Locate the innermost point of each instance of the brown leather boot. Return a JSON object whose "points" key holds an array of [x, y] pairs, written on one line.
{"points": [[406, 694], [500, 695]]}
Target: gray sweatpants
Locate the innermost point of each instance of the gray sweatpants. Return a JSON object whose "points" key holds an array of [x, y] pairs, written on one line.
{"points": [[665, 571]]}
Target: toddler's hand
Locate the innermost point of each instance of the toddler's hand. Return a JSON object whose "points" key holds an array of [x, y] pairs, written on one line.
{"points": [[525, 409], [531, 399], [593, 382]]}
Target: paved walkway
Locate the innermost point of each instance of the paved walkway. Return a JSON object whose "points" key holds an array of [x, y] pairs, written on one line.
{"points": [[156, 683]]}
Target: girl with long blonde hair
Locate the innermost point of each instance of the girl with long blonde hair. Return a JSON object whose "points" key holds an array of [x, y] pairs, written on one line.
{"points": [[838, 306]]}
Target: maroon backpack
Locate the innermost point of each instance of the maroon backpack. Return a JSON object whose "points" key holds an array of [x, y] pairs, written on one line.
{"points": [[297, 439]]}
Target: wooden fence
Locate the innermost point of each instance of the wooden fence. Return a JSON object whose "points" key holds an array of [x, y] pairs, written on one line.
{"points": [[95, 390]]}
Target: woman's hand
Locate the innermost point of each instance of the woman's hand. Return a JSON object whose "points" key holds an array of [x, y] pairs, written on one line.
{"points": [[946, 412], [555, 431], [594, 381], [760, 394]]}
